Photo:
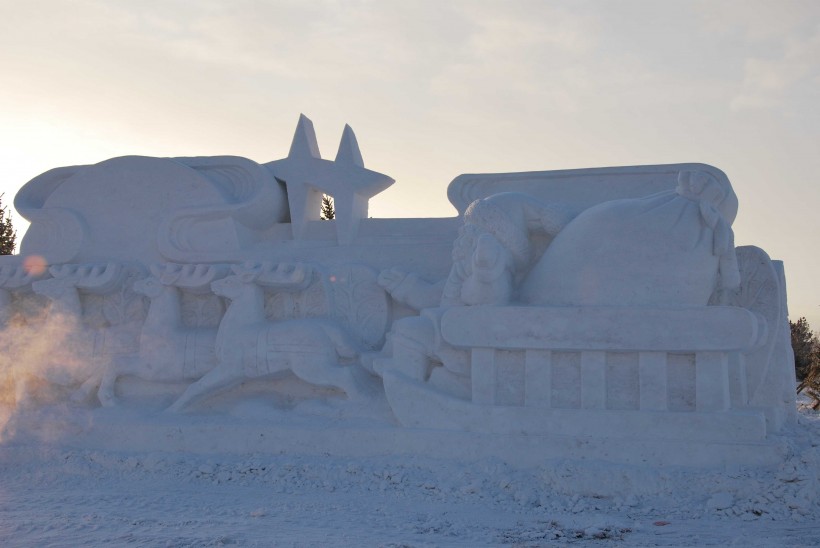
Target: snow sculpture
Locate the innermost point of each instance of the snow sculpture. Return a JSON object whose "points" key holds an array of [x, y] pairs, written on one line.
{"points": [[308, 176], [492, 252], [21, 312], [135, 208], [96, 317], [15, 287], [604, 304], [669, 248], [762, 290], [612, 331], [249, 347], [169, 350]]}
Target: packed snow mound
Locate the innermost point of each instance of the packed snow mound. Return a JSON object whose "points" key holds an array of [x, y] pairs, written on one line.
{"points": [[59, 485]]}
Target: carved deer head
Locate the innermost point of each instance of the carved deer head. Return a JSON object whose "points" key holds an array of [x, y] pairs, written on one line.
{"points": [[281, 276]]}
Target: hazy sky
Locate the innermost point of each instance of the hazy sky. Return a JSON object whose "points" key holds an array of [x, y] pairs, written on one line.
{"points": [[434, 89]]}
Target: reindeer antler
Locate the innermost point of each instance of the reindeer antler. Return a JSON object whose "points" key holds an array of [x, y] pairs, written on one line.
{"points": [[16, 276], [166, 273], [97, 277], [101, 278], [196, 277], [283, 275], [63, 270]]}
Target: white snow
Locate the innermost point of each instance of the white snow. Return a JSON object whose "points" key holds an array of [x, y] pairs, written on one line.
{"points": [[65, 482]]}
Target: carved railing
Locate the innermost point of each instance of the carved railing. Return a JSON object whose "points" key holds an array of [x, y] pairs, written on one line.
{"points": [[712, 337]]}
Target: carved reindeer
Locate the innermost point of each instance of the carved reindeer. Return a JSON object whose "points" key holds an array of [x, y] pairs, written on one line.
{"points": [[249, 347], [76, 352], [14, 278], [18, 307], [169, 351]]}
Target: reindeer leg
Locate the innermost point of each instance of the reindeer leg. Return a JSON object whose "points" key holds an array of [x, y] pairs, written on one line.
{"points": [[83, 393], [23, 396], [360, 384], [214, 382], [106, 393], [330, 373]]}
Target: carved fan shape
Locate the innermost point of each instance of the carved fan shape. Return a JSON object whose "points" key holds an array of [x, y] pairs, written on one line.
{"points": [[201, 310], [310, 302], [759, 292], [125, 305], [119, 306], [360, 302], [348, 293]]}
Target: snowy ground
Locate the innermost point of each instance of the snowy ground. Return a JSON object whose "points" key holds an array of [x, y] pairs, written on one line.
{"points": [[60, 488]]}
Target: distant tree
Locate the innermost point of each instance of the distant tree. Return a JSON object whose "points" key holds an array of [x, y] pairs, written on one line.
{"points": [[811, 386], [328, 211], [806, 347], [7, 233]]}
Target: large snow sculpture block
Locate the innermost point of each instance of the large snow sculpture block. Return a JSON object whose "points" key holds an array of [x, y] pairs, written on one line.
{"points": [[606, 312], [577, 309]]}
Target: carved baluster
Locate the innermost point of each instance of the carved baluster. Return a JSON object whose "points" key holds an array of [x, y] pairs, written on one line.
{"points": [[484, 373], [711, 381]]}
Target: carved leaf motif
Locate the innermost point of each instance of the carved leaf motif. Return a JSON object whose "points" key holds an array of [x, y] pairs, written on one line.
{"points": [[201, 310], [314, 301], [759, 286], [759, 292], [93, 314], [360, 302], [281, 305], [310, 302], [30, 309], [124, 305]]}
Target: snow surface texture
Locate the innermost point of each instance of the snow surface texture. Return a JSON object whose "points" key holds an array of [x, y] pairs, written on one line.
{"points": [[68, 492]]}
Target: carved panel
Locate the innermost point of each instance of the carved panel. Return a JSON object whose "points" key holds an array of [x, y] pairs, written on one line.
{"points": [[201, 310], [359, 302], [760, 293], [119, 307]]}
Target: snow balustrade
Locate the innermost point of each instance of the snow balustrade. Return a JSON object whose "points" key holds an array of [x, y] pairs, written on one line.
{"points": [[518, 355]]}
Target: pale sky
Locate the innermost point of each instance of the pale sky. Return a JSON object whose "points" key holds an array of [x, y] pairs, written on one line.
{"points": [[434, 89]]}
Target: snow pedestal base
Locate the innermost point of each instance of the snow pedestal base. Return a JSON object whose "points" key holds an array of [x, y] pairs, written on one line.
{"points": [[657, 438], [128, 430]]}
